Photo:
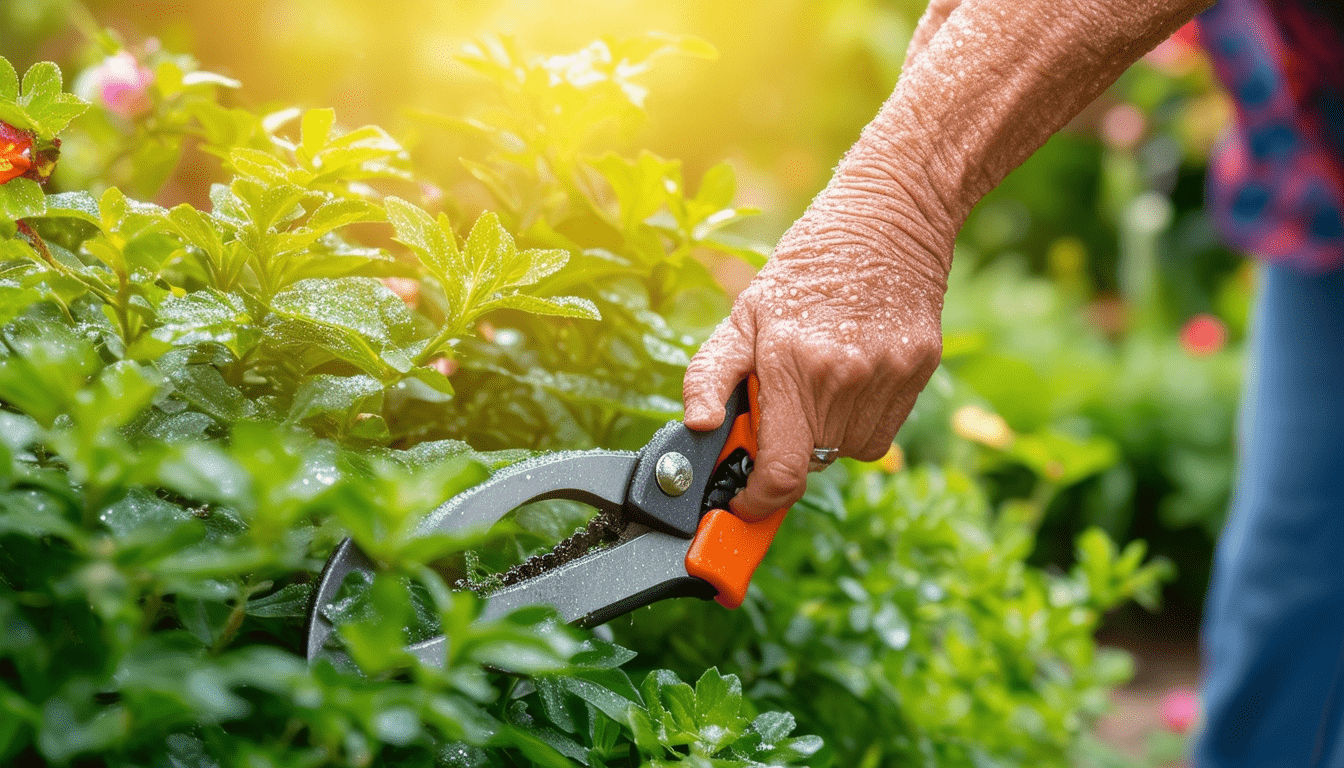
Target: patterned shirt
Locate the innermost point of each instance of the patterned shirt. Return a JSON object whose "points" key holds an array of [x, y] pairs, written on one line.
{"points": [[1276, 182]]}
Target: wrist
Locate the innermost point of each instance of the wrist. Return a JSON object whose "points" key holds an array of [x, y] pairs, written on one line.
{"points": [[894, 208]]}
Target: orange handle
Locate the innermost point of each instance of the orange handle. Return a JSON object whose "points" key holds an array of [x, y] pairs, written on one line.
{"points": [[727, 549]]}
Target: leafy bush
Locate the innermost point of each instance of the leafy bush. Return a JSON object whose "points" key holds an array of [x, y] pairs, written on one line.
{"points": [[897, 616], [198, 404], [1131, 434]]}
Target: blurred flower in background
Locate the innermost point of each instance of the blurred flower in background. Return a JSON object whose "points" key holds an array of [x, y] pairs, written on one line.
{"points": [[971, 422], [120, 83], [1203, 335], [1180, 710]]}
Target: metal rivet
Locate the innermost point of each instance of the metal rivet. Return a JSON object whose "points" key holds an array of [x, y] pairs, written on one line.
{"points": [[673, 472]]}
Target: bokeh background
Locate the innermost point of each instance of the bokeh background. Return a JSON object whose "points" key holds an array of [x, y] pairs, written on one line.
{"points": [[1095, 322]]}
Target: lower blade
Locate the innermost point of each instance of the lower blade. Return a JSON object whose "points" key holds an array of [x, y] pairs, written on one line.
{"points": [[608, 583], [589, 591]]}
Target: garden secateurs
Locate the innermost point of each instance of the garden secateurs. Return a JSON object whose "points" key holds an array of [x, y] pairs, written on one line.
{"points": [[665, 506]]}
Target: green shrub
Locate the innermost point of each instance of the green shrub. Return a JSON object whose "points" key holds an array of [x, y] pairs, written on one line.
{"points": [[198, 404]]}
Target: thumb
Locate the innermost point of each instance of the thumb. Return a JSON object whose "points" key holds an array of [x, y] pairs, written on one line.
{"points": [[784, 444], [725, 359]]}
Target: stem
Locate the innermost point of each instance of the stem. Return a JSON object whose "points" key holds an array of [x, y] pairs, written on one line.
{"points": [[235, 620], [123, 300], [427, 354], [40, 246], [507, 697], [292, 728], [151, 612]]}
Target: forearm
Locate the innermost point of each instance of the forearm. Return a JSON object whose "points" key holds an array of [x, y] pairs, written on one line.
{"points": [[988, 83]]}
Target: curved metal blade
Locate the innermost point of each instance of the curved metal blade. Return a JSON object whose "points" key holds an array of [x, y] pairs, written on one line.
{"points": [[598, 478], [597, 588], [608, 583]]}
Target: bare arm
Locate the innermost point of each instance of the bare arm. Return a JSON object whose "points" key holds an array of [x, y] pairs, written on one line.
{"points": [[843, 323]]}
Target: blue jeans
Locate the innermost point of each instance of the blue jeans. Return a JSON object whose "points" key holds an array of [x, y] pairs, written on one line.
{"points": [[1273, 632]]}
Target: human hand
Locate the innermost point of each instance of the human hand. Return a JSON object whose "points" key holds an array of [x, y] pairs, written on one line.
{"points": [[843, 329]]}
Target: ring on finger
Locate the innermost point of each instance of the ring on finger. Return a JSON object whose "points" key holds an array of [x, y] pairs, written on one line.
{"points": [[822, 458]]}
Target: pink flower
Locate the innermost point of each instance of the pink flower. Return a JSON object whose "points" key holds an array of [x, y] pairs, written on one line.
{"points": [[406, 288], [445, 365], [122, 84], [1202, 335], [1179, 710], [1123, 126]]}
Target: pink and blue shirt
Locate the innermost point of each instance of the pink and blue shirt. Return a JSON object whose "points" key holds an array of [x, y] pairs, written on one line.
{"points": [[1276, 182]]}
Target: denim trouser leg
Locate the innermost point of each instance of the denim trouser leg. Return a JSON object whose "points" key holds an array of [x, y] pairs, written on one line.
{"points": [[1274, 625]]}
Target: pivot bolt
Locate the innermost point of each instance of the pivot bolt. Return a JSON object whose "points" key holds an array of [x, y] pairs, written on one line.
{"points": [[673, 472]]}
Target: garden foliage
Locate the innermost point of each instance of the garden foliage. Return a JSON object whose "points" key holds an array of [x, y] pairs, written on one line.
{"points": [[198, 402]]}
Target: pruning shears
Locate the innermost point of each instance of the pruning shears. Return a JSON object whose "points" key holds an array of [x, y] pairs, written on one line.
{"points": [[666, 506]]}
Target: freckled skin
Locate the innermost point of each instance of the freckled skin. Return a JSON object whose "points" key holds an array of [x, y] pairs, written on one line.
{"points": [[843, 324]]}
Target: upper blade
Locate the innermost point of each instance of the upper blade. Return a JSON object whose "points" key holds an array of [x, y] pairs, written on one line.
{"points": [[598, 478]]}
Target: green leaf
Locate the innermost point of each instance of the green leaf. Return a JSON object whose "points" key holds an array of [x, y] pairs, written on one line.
{"points": [[597, 654], [204, 316], [290, 601], [353, 318], [47, 109], [42, 82], [21, 199], [202, 385], [193, 226], [718, 187], [335, 214], [718, 702], [773, 726], [439, 387], [543, 263], [9, 81], [489, 250], [609, 690], [432, 241], [74, 205], [326, 393], [259, 165], [315, 130], [558, 306]]}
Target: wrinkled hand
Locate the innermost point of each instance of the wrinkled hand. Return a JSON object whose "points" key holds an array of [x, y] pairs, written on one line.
{"points": [[843, 328]]}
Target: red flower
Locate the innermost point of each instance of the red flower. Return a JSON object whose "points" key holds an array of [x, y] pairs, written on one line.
{"points": [[19, 156], [1202, 335], [16, 152], [1180, 710]]}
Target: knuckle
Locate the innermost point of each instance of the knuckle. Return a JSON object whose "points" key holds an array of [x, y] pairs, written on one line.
{"points": [[852, 366], [777, 478], [873, 451], [931, 351]]}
